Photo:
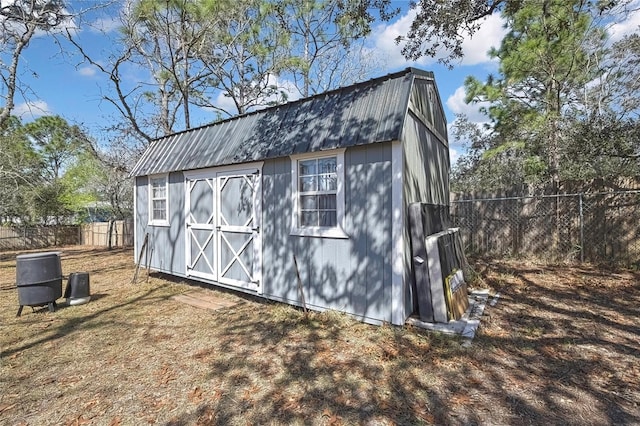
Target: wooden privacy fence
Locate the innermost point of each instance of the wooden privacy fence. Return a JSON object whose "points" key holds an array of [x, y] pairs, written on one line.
{"points": [[97, 234], [594, 227], [90, 234], [34, 237]]}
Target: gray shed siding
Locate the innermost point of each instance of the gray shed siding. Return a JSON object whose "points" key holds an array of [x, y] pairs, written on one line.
{"points": [[425, 180], [351, 275], [426, 164], [166, 242]]}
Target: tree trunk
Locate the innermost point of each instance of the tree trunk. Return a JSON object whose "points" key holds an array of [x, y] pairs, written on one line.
{"points": [[5, 112], [110, 233]]}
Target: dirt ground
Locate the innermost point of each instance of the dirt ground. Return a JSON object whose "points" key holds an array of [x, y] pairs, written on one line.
{"points": [[560, 346]]}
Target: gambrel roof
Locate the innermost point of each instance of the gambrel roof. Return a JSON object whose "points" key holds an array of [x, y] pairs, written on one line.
{"points": [[364, 113]]}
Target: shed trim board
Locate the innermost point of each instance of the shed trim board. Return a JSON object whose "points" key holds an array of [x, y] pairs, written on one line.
{"points": [[135, 222], [236, 188], [416, 110], [397, 229]]}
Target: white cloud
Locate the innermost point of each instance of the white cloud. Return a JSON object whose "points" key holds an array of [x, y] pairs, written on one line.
{"points": [[628, 25], [87, 71], [288, 87], [454, 154], [223, 102], [31, 110], [457, 105], [384, 41], [475, 47], [490, 35]]}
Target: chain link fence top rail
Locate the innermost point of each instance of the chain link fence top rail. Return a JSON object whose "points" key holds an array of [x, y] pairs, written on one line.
{"points": [[593, 227]]}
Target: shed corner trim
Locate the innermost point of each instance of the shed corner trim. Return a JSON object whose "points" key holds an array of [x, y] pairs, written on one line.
{"points": [[398, 314]]}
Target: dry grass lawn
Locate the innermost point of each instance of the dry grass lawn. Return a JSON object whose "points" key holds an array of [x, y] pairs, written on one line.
{"points": [[561, 346]]}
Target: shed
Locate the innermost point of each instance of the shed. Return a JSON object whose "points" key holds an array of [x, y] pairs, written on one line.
{"points": [[327, 178]]}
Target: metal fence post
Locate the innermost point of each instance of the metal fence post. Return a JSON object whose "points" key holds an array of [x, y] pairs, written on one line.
{"points": [[472, 233], [581, 228]]}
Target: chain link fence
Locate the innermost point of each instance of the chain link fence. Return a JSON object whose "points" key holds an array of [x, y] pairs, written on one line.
{"points": [[592, 227]]}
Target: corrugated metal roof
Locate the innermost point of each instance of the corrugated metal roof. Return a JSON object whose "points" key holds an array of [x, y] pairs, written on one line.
{"points": [[364, 113]]}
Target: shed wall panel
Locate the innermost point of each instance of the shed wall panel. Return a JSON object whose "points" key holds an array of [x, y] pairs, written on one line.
{"points": [[352, 275], [378, 228], [426, 165], [141, 212], [278, 271], [166, 243], [426, 180]]}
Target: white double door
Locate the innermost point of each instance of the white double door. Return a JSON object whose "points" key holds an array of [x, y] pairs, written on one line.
{"points": [[223, 213]]}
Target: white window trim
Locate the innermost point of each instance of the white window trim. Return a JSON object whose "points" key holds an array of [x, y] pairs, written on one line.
{"points": [[319, 231], [153, 222]]}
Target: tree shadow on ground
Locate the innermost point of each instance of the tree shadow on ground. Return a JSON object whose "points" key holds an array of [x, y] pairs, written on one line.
{"points": [[559, 347], [555, 349]]}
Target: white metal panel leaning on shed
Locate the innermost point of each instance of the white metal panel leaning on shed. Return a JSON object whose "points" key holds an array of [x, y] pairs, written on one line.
{"points": [[326, 178]]}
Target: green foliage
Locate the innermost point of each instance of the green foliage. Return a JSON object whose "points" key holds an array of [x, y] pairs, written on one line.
{"points": [[57, 142], [442, 26], [555, 107], [78, 184], [47, 202], [488, 167], [242, 54], [621, 85], [46, 171], [19, 171], [602, 147]]}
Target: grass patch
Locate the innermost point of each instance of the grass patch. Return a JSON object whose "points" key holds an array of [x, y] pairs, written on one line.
{"points": [[561, 346]]}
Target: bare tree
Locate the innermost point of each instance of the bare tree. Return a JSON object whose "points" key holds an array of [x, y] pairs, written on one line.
{"points": [[243, 53], [325, 49], [159, 38], [186, 53], [19, 22]]}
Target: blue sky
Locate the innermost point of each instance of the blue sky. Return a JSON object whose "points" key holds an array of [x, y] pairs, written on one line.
{"points": [[62, 85]]}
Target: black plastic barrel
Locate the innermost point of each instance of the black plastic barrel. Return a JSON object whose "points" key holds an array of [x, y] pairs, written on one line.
{"points": [[77, 291], [38, 279]]}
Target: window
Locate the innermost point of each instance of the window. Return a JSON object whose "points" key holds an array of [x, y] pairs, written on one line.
{"points": [[317, 189], [158, 200], [318, 182]]}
